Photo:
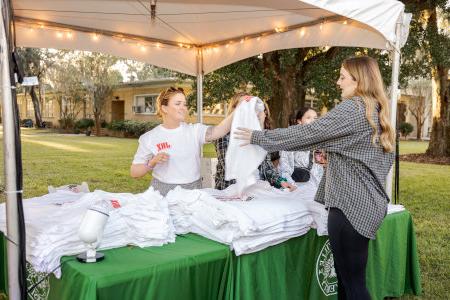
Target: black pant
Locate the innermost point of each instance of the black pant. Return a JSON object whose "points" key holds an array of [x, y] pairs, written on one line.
{"points": [[350, 251]]}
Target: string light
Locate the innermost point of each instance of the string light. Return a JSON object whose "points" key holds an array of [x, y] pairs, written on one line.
{"points": [[158, 45], [69, 35], [321, 26], [258, 38], [143, 48], [345, 22], [180, 45], [59, 35], [95, 37], [302, 32], [242, 41]]}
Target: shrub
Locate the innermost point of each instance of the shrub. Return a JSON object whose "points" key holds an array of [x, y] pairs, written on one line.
{"points": [[131, 127], [84, 123], [405, 129], [66, 123]]}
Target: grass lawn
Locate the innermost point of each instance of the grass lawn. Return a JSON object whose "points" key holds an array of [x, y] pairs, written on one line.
{"points": [[103, 162], [409, 147]]}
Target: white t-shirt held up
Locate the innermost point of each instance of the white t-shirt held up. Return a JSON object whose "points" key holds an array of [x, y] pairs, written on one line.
{"points": [[183, 144]]}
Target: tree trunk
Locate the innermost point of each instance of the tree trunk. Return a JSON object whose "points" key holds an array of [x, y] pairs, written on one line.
{"points": [[288, 92], [419, 129], [440, 134], [97, 124], [283, 101], [37, 107]]}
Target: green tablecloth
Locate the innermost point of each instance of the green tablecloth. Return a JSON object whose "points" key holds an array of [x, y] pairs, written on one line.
{"points": [[197, 268]]}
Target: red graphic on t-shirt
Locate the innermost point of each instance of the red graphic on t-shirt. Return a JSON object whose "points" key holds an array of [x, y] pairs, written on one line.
{"points": [[163, 146], [115, 203]]}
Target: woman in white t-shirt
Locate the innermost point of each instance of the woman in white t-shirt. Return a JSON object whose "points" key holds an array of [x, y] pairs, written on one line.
{"points": [[172, 149], [289, 160]]}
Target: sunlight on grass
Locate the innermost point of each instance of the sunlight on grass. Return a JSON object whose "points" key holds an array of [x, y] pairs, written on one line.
{"points": [[56, 145]]}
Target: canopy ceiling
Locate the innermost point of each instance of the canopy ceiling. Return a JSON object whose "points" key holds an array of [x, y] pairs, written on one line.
{"points": [[222, 32]]}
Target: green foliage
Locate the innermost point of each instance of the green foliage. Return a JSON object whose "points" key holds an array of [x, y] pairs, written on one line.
{"points": [[66, 123], [405, 128], [142, 71], [132, 128], [84, 123]]}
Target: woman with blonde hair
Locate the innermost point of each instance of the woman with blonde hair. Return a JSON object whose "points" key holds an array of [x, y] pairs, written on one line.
{"points": [[359, 142], [267, 170], [171, 150]]}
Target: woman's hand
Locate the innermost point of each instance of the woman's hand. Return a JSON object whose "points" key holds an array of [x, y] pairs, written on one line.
{"points": [[159, 158], [320, 157], [243, 134], [291, 187]]}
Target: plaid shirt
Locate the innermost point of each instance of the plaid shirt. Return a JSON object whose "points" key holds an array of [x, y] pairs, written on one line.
{"points": [[356, 173], [267, 170]]}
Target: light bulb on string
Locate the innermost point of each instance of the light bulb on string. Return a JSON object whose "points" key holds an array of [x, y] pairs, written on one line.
{"points": [[302, 32]]}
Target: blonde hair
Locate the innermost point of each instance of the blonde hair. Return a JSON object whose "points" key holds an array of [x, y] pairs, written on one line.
{"points": [[235, 101], [365, 71], [164, 97]]}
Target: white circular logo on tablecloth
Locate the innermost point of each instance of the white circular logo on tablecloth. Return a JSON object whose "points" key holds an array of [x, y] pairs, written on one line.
{"points": [[325, 273]]}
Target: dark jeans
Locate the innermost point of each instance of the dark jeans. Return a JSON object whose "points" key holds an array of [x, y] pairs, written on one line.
{"points": [[350, 250]]}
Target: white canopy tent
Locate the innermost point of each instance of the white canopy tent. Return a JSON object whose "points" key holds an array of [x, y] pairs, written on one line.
{"points": [[194, 37]]}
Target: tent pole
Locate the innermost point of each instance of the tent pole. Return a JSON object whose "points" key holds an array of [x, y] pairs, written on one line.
{"points": [[394, 95], [200, 85], [10, 171]]}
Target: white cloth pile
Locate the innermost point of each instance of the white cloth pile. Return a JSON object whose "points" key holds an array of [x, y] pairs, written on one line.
{"points": [[271, 217], [52, 223], [393, 208]]}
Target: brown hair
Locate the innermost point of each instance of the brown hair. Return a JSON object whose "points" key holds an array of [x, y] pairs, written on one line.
{"points": [[235, 101], [164, 97], [365, 71]]}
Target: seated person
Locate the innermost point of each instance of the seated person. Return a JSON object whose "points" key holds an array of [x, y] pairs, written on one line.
{"points": [[267, 171], [289, 160]]}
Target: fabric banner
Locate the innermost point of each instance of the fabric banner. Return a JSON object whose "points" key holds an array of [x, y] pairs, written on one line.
{"points": [[197, 268]]}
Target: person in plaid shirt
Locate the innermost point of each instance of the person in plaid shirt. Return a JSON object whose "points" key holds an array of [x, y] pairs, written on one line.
{"points": [[267, 171], [359, 142]]}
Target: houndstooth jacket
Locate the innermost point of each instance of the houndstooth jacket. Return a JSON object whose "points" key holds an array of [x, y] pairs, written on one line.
{"points": [[357, 168]]}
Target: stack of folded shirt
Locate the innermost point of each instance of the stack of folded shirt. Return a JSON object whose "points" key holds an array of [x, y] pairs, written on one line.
{"points": [[52, 224], [270, 217], [393, 208]]}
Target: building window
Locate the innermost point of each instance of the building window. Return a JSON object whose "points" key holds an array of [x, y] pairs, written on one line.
{"points": [[30, 108], [145, 104], [48, 108]]}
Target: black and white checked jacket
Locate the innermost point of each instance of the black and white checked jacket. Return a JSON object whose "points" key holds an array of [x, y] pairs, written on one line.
{"points": [[357, 168]]}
